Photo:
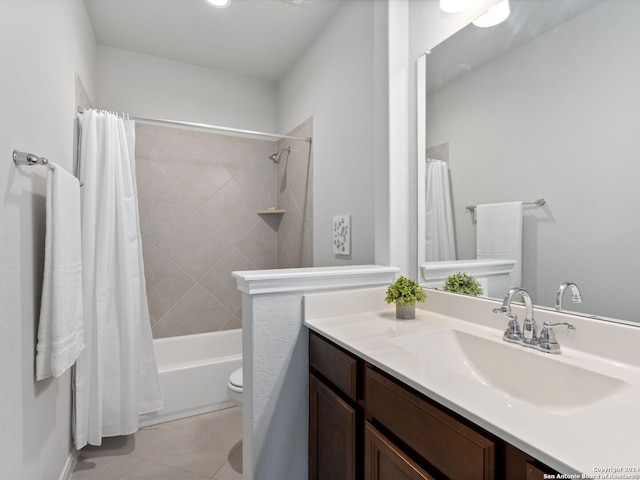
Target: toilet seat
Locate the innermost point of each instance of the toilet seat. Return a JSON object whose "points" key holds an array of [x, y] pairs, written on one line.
{"points": [[235, 380], [234, 386]]}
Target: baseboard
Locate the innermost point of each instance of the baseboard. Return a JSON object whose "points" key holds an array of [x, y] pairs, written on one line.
{"points": [[153, 418], [70, 465]]}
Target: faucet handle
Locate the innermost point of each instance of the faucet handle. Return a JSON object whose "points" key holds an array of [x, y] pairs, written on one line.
{"points": [[505, 311], [547, 341], [512, 333], [570, 326]]}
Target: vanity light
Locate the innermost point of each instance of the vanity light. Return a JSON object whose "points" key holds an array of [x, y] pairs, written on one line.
{"points": [[453, 6], [495, 15], [218, 3]]}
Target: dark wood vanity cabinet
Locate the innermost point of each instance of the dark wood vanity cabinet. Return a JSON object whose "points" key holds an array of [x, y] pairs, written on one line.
{"points": [[332, 434], [335, 415], [364, 424]]}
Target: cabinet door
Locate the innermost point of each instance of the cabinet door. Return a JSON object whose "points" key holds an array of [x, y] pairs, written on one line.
{"points": [[332, 434], [518, 464], [535, 473], [385, 461]]}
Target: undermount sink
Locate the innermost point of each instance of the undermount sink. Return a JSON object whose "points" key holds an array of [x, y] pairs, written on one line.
{"points": [[513, 370]]}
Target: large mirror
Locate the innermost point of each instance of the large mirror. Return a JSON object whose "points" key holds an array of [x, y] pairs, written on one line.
{"points": [[546, 105]]}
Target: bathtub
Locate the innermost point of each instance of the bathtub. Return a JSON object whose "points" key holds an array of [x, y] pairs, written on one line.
{"points": [[193, 371]]}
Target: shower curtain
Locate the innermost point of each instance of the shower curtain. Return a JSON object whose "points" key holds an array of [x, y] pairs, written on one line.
{"points": [[116, 377], [439, 237]]}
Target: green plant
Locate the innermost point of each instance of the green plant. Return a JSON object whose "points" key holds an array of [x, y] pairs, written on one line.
{"points": [[463, 283], [405, 291]]}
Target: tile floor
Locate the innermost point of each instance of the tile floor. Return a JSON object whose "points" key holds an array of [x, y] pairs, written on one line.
{"points": [[205, 447]]}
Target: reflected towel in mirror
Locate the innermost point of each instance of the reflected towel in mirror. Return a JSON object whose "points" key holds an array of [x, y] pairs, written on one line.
{"points": [[499, 235]]}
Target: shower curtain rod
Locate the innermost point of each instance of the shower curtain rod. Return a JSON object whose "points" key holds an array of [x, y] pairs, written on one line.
{"points": [[210, 127]]}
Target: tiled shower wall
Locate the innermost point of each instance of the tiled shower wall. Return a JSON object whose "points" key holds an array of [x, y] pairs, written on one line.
{"points": [[199, 194], [295, 195]]}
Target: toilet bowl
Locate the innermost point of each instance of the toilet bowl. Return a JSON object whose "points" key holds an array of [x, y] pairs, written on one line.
{"points": [[234, 386]]}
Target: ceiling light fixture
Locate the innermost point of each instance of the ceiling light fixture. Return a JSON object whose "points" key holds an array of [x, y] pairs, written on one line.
{"points": [[453, 6], [218, 3], [495, 15]]}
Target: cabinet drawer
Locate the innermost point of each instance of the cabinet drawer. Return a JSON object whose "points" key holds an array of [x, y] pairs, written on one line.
{"points": [[458, 451], [334, 364], [385, 461]]}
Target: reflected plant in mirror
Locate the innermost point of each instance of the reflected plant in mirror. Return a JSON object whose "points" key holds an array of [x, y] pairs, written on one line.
{"points": [[464, 284], [544, 105]]}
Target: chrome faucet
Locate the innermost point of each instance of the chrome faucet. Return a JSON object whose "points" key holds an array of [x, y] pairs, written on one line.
{"points": [[576, 296], [528, 336]]}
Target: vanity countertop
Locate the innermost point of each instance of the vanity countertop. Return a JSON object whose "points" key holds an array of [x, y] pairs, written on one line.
{"points": [[593, 439]]}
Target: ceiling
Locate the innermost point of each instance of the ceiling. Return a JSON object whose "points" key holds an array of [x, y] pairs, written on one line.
{"points": [[257, 38]]}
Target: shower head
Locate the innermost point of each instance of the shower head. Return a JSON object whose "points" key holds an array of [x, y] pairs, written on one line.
{"points": [[275, 158]]}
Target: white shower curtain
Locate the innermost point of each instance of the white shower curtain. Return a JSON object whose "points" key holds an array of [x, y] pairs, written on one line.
{"points": [[439, 237], [116, 377]]}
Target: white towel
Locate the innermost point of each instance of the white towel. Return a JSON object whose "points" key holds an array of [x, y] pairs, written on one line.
{"points": [[499, 235], [60, 331]]}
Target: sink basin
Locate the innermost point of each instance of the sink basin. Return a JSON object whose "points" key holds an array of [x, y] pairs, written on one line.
{"points": [[513, 370]]}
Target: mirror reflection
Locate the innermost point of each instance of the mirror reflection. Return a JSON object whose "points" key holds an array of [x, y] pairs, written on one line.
{"points": [[544, 106]]}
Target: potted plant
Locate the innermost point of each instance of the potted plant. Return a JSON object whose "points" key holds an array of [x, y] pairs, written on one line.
{"points": [[463, 283], [405, 292]]}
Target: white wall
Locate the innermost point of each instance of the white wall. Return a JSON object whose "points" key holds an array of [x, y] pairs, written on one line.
{"points": [[382, 254], [155, 87], [399, 172], [333, 82], [43, 45]]}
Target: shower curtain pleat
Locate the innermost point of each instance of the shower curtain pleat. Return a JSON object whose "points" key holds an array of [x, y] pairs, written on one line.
{"points": [[116, 378], [439, 234]]}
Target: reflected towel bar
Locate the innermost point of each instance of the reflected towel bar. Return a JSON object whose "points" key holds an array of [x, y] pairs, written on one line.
{"points": [[539, 203]]}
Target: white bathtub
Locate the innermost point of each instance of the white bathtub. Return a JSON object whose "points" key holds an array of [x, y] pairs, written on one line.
{"points": [[194, 370]]}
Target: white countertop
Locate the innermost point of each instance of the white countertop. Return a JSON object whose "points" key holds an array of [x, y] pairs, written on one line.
{"points": [[585, 440]]}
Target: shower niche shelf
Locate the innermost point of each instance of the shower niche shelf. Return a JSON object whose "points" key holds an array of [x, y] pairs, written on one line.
{"points": [[271, 212]]}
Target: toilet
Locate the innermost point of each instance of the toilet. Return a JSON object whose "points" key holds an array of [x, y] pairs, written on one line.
{"points": [[234, 386]]}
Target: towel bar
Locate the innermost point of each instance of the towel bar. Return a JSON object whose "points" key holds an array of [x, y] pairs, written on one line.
{"points": [[539, 203], [24, 158]]}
